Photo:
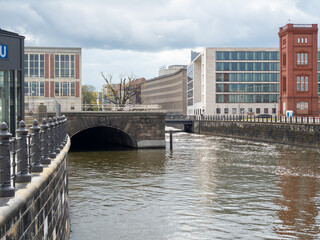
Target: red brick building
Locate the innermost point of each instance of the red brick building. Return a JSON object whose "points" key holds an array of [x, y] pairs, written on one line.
{"points": [[298, 87]]}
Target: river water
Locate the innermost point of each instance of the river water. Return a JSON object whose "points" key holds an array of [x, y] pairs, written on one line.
{"points": [[206, 188]]}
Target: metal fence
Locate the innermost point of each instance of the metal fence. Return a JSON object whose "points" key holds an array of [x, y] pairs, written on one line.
{"points": [[270, 119], [29, 151]]}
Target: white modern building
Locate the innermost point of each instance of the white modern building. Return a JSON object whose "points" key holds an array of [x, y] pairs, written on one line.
{"points": [[233, 81]]}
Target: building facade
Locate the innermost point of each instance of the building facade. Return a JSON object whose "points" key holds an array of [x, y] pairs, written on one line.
{"points": [[168, 90], [233, 81], [52, 75], [11, 79], [298, 69]]}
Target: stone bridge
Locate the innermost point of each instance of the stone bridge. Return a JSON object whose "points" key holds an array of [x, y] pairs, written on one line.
{"points": [[127, 128]]}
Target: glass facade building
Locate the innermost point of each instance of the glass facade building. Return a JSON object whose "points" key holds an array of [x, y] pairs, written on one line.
{"points": [[234, 81], [11, 79]]}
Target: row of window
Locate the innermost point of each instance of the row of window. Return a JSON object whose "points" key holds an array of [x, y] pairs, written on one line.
{"points": [[64, 89], [247, 87], [247, 98], [34, 89], [37, 89], [247, 66], [242, 55], [243, 110], [64, 65], [34, 65], [248, 77], [302, 40]]}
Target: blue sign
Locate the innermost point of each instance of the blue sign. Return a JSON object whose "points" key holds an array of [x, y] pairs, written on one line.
{"points": [[3, 51]]}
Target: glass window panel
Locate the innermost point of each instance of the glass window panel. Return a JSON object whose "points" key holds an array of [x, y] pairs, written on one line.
{"points": [[306, 82], [56, 88]]}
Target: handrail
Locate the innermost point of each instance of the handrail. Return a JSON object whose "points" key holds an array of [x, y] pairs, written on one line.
{"points": [[257, 119]]}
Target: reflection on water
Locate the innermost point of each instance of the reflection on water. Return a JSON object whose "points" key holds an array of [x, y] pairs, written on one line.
{"points": [[206, 188], [299, 193]]}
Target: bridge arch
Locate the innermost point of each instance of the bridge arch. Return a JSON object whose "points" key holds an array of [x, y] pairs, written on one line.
{"points": [[139, 129], [102, 137]]}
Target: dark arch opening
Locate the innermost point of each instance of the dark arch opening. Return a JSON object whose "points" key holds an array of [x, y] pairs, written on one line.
{"points": [[101, 138]]}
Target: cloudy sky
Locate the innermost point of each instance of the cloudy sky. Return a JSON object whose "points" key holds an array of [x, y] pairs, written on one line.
{"points": [[138, 36]]}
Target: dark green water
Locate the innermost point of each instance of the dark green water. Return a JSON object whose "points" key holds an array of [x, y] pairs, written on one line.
{"points": [[206, 188]]}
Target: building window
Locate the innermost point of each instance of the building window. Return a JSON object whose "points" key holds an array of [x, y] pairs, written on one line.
{"points": [[234, 111], [72, 89], [302, 83], [34, 65], [41, 89], [250, 110], [274, 110], [298, 40], [218, 110], [226, 110], [265, 110], [56, 89], [284, 60], [65, 89], [242, 110], [64, 66], [302, 105], [302, 58], [257, 110]]}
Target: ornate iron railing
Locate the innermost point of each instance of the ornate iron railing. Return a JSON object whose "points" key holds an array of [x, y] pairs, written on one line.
{"points": [[29, 151]]}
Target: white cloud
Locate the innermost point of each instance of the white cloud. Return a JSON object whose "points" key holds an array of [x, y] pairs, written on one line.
{"points": [[138, 36]]}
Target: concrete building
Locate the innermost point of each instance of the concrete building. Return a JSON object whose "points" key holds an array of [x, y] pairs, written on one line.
{"points": [[230, 81], [298, 69], [168, 90], [11, 78], [52, 75]]}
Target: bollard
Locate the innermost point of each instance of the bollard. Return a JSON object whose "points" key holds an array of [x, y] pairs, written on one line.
{"points": [[6, 190], [170, 140], [23, 174], [36, 165], [56, 136], [45, 142], [52, 153]]}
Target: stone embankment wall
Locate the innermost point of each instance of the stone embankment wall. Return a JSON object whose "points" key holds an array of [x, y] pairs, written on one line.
{"points": [[287, 133], [40, 209]]}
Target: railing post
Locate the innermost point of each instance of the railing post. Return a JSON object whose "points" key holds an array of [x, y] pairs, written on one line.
{"points": [[36, 165], [64, 130], [56, 134], [23, 174], [6, 190], [45, 143], [52, 153], [61, 133]]}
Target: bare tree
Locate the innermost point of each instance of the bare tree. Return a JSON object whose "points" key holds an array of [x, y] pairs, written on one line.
{"points": [[121, 93]]}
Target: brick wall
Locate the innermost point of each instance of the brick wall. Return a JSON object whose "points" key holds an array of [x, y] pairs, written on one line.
{"points": [[42, 210]]}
